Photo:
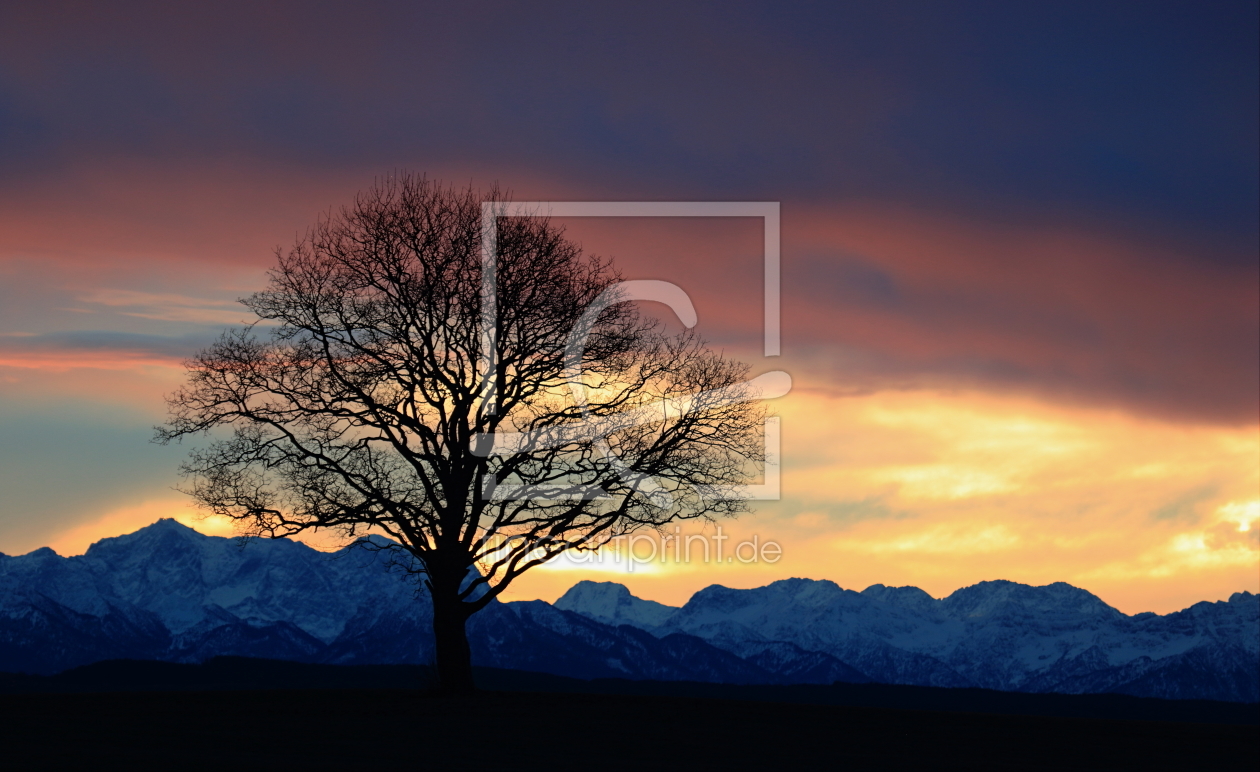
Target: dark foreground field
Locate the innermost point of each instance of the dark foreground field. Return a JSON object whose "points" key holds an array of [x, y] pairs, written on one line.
{"points": [[360, 728]]}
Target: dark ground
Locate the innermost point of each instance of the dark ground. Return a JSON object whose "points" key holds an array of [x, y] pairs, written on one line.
{"points": [[80, 725]]}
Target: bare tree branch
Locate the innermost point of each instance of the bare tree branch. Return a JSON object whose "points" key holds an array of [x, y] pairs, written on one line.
{"points": [[360, 403]]}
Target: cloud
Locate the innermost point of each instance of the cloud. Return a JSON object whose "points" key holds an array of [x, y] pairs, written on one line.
{"points": [[1061, 312], [877, 296], [97, 349], [1227, 536], [865, 501], [170, 307], [1019, 243], [952, 540], [972, 105]]}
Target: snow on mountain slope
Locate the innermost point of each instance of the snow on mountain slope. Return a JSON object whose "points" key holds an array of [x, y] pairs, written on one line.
{"points": [[177, 573], [168, 592], [999, 634], [612, 604]]}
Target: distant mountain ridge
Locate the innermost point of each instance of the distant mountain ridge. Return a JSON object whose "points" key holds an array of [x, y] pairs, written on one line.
{"points": [[169, 593], [995, 635]]}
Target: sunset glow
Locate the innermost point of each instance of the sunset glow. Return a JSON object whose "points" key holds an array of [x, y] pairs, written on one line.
{"points": [[1022, 329]]}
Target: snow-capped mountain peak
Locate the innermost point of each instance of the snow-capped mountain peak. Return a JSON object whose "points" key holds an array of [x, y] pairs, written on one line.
{"points": [[169, 592], [905, 597], [998, 597], [612, 603]]}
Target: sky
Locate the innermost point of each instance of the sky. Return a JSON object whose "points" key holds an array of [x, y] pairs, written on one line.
{"points": [[1020, 275]]}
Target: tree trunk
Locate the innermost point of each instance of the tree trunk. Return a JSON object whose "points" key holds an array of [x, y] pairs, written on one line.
{"points": [[450, 636]]}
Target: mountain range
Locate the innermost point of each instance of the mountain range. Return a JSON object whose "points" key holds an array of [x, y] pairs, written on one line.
{"points": [[167, 592]]}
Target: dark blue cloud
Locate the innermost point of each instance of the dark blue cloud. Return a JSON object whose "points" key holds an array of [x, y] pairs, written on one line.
{"points": [[165, 346], [1140, 112]]}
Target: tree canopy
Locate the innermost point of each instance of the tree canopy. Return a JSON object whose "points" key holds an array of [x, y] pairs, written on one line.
{"points": [[372, 393]]}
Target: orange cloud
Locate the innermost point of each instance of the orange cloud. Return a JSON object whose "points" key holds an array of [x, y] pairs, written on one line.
{"points": [[1068, 313], [1035, 404], [65, 361], [945, 489]]}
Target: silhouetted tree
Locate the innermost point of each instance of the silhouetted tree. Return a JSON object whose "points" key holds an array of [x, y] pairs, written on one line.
{"points": [[370, 394]]}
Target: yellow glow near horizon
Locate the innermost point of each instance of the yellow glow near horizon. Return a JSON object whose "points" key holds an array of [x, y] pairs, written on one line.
{"points": [[942, 490], [126, 519], [945, 489]]}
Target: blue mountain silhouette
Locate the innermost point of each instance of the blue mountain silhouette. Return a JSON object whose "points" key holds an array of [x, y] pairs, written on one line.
{"points": [[167, 592]]}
